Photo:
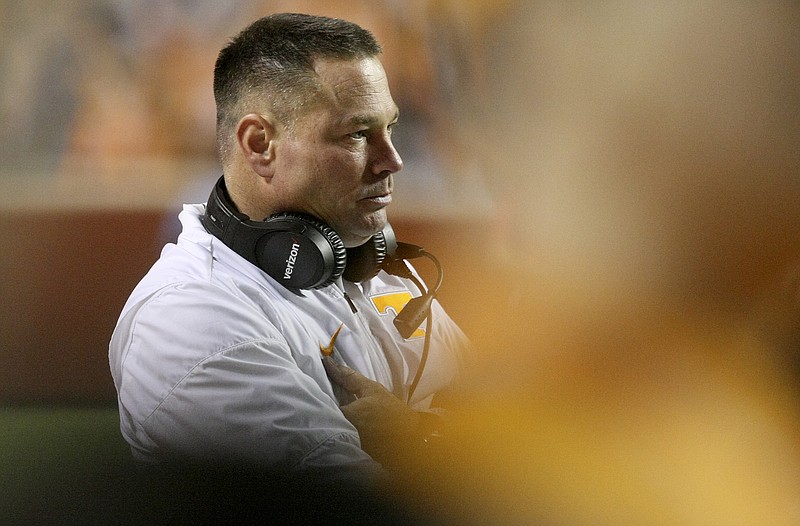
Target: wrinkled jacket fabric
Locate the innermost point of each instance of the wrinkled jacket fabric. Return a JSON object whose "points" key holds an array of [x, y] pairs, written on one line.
{"points": [[213, 359]]}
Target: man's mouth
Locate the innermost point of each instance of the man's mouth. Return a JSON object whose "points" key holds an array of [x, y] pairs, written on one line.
{"points": [[382, 199]]}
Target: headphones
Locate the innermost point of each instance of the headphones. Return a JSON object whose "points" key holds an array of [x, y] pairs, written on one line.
{"points": [[297, 250]]}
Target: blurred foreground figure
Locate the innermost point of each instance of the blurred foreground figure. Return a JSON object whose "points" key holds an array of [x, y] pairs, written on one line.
{"points": [[640, 364]]}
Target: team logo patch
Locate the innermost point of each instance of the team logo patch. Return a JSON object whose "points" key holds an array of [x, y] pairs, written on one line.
{"points": [[394, 302]]}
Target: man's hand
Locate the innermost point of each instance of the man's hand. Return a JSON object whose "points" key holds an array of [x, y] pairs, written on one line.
{"points": [[386, 425]]}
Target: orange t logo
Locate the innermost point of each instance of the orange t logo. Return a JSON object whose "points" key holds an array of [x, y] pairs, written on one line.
{"points": [[394, 302]]}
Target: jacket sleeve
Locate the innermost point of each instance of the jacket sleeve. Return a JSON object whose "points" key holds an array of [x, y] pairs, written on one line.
{"points": [[207, 376]]}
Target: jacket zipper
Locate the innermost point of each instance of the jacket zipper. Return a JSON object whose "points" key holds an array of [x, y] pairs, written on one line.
{"points": [[364, 329], [350, 302]]}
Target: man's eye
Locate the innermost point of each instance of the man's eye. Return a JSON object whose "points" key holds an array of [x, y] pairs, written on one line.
{"points": [[360, 134]]}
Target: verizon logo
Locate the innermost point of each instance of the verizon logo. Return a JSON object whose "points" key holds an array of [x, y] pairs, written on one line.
{"points": [[287, 274]]}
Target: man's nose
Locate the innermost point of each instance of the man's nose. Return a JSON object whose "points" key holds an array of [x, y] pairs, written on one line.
{"points": [[387, 159]]}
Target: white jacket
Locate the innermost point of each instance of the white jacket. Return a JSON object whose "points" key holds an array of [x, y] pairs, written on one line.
{"points": [[213, 358]]}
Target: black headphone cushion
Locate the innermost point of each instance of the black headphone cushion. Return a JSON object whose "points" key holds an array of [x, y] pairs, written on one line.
{"points": [[364, 262]]}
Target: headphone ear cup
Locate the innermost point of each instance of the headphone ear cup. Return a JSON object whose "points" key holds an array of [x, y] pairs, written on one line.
{"points": [[297, 250], [300, 252], [364, 262]]}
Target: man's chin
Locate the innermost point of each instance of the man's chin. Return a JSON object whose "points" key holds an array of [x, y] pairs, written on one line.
{"points": [[361, 233]]}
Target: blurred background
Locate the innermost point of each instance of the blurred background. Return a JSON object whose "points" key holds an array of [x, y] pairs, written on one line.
{"points": [[613, 189]]}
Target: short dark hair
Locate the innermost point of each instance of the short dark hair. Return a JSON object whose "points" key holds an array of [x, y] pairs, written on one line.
{"points": [[273, 59]]}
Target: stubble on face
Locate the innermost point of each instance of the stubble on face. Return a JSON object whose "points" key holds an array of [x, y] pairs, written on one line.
{"points": [[332, 173]]}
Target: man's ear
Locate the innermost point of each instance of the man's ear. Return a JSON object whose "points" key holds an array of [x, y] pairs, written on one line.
{"points": [[256, 135]]}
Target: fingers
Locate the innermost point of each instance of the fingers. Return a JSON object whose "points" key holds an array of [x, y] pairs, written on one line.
{"points": [[350, 380]]}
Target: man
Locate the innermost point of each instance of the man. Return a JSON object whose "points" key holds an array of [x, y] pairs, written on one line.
{"points": [[219, 357]]}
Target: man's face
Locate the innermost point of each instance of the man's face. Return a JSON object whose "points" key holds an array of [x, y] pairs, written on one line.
{"points": [[337, 162]]}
